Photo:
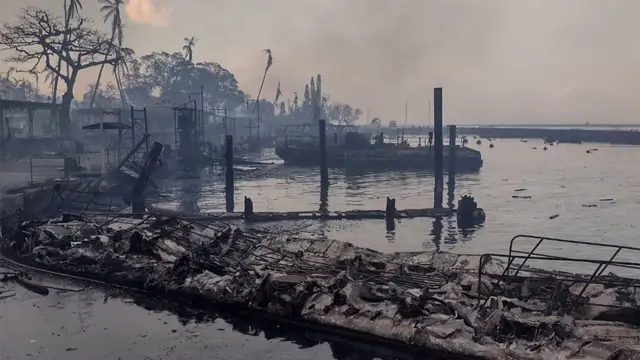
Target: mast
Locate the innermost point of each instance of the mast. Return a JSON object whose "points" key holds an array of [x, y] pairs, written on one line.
{"points": [[406, 111]]}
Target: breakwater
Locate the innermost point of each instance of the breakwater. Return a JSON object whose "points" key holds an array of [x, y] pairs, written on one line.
{"points": [[623, 137]]}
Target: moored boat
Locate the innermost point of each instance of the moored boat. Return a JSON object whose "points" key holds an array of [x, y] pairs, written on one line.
{"points": [[347, 148]]}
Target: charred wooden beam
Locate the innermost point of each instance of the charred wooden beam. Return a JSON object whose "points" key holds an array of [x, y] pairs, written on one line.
{"points": [[229, 180]]}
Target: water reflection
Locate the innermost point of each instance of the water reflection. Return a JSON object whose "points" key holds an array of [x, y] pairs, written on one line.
{"points": [[324, 198], [190, 193], [436, 232], [342, 347]]}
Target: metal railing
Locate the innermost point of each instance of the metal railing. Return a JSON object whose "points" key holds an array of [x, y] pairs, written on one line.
{"points": [[516, 264], [42, 169]]}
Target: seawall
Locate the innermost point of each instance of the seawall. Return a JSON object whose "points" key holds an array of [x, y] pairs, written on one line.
{"points": [[562, 135]]}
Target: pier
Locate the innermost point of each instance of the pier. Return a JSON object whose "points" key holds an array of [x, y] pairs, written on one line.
{"points": [[308, 215]]}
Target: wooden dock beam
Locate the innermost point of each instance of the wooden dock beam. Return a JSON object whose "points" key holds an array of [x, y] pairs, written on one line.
{"points": [[305, 215], [438, 147]]}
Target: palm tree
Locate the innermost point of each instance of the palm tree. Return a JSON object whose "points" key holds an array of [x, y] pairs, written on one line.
{"points": [[71, 10], [122, 67], [189, 44], [111, 8], [266, 70]]}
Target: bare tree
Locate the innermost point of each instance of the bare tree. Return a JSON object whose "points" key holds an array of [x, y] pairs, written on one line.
{"points": [[71, 10], [41, 37]]}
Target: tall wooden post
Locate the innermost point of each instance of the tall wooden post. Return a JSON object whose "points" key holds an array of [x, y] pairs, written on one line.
{"points": [[324, 170], [1, 133], [31, 115], [451, 184], [438, 160], [229, 185]]}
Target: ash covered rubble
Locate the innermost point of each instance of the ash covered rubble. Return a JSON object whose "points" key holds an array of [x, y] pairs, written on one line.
{"points": [[434, 301]]}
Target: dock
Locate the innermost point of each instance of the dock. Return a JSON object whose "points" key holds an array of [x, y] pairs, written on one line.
{"points": [[305, 215]]}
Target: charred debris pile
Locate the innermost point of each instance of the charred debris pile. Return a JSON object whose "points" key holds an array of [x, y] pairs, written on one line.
{"points": [[469, 306]]}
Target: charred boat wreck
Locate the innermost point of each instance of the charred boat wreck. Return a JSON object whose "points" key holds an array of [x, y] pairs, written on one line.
{"points": [[347, 148], [457, 304]]}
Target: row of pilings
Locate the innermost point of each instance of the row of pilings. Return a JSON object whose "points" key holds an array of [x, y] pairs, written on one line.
{"points": [[438, 148]]}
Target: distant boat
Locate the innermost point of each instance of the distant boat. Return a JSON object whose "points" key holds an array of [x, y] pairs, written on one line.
{"points": [[570, 141]]}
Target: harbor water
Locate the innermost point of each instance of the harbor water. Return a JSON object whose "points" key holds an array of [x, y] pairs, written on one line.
{"points": [[585, 192], [592, 193]]}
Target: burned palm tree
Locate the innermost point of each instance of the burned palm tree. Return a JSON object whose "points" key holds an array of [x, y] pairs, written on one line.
{"points": [[278, 94], [125, 55], [266, 70], [111, 10], [189, 44]]}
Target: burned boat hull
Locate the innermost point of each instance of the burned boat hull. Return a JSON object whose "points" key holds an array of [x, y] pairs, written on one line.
{"points": [[389, 157], [425, 300]]}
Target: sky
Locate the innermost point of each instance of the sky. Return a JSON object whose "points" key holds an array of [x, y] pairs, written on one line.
{"points": [[498, 61]]}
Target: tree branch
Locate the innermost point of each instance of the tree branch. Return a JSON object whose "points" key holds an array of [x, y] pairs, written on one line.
{"points": [[39, 34]]}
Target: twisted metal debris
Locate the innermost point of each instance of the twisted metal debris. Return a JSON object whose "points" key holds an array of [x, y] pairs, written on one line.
{"points": [[476, 306]]}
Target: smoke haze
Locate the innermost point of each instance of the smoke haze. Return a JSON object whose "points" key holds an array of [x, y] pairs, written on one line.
{"points": [[499, 61]]}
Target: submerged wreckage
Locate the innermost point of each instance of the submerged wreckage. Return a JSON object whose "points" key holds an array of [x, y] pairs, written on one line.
{"points": [[468, 306]]}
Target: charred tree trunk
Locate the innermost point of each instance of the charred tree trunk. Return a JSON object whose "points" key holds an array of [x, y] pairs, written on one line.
{"points": [[64, 115]]}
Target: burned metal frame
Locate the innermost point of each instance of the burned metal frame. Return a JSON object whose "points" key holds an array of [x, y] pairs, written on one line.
{"points": [[595, 278]]}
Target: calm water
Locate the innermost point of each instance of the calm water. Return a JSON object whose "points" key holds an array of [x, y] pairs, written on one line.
{"points": [[109, 325], [594, 195], [560, 181]]}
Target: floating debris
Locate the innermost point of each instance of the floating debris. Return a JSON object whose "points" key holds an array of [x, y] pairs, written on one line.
{"points": [[554, 216], [589, 205], [518, 190], [521, 196], [607, 199]]}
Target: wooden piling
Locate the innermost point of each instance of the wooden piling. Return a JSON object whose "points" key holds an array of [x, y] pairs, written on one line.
{"points": [[248, 207], [438, 147], [390, 210], [229, 185], [324, 170], [451, 184]]}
